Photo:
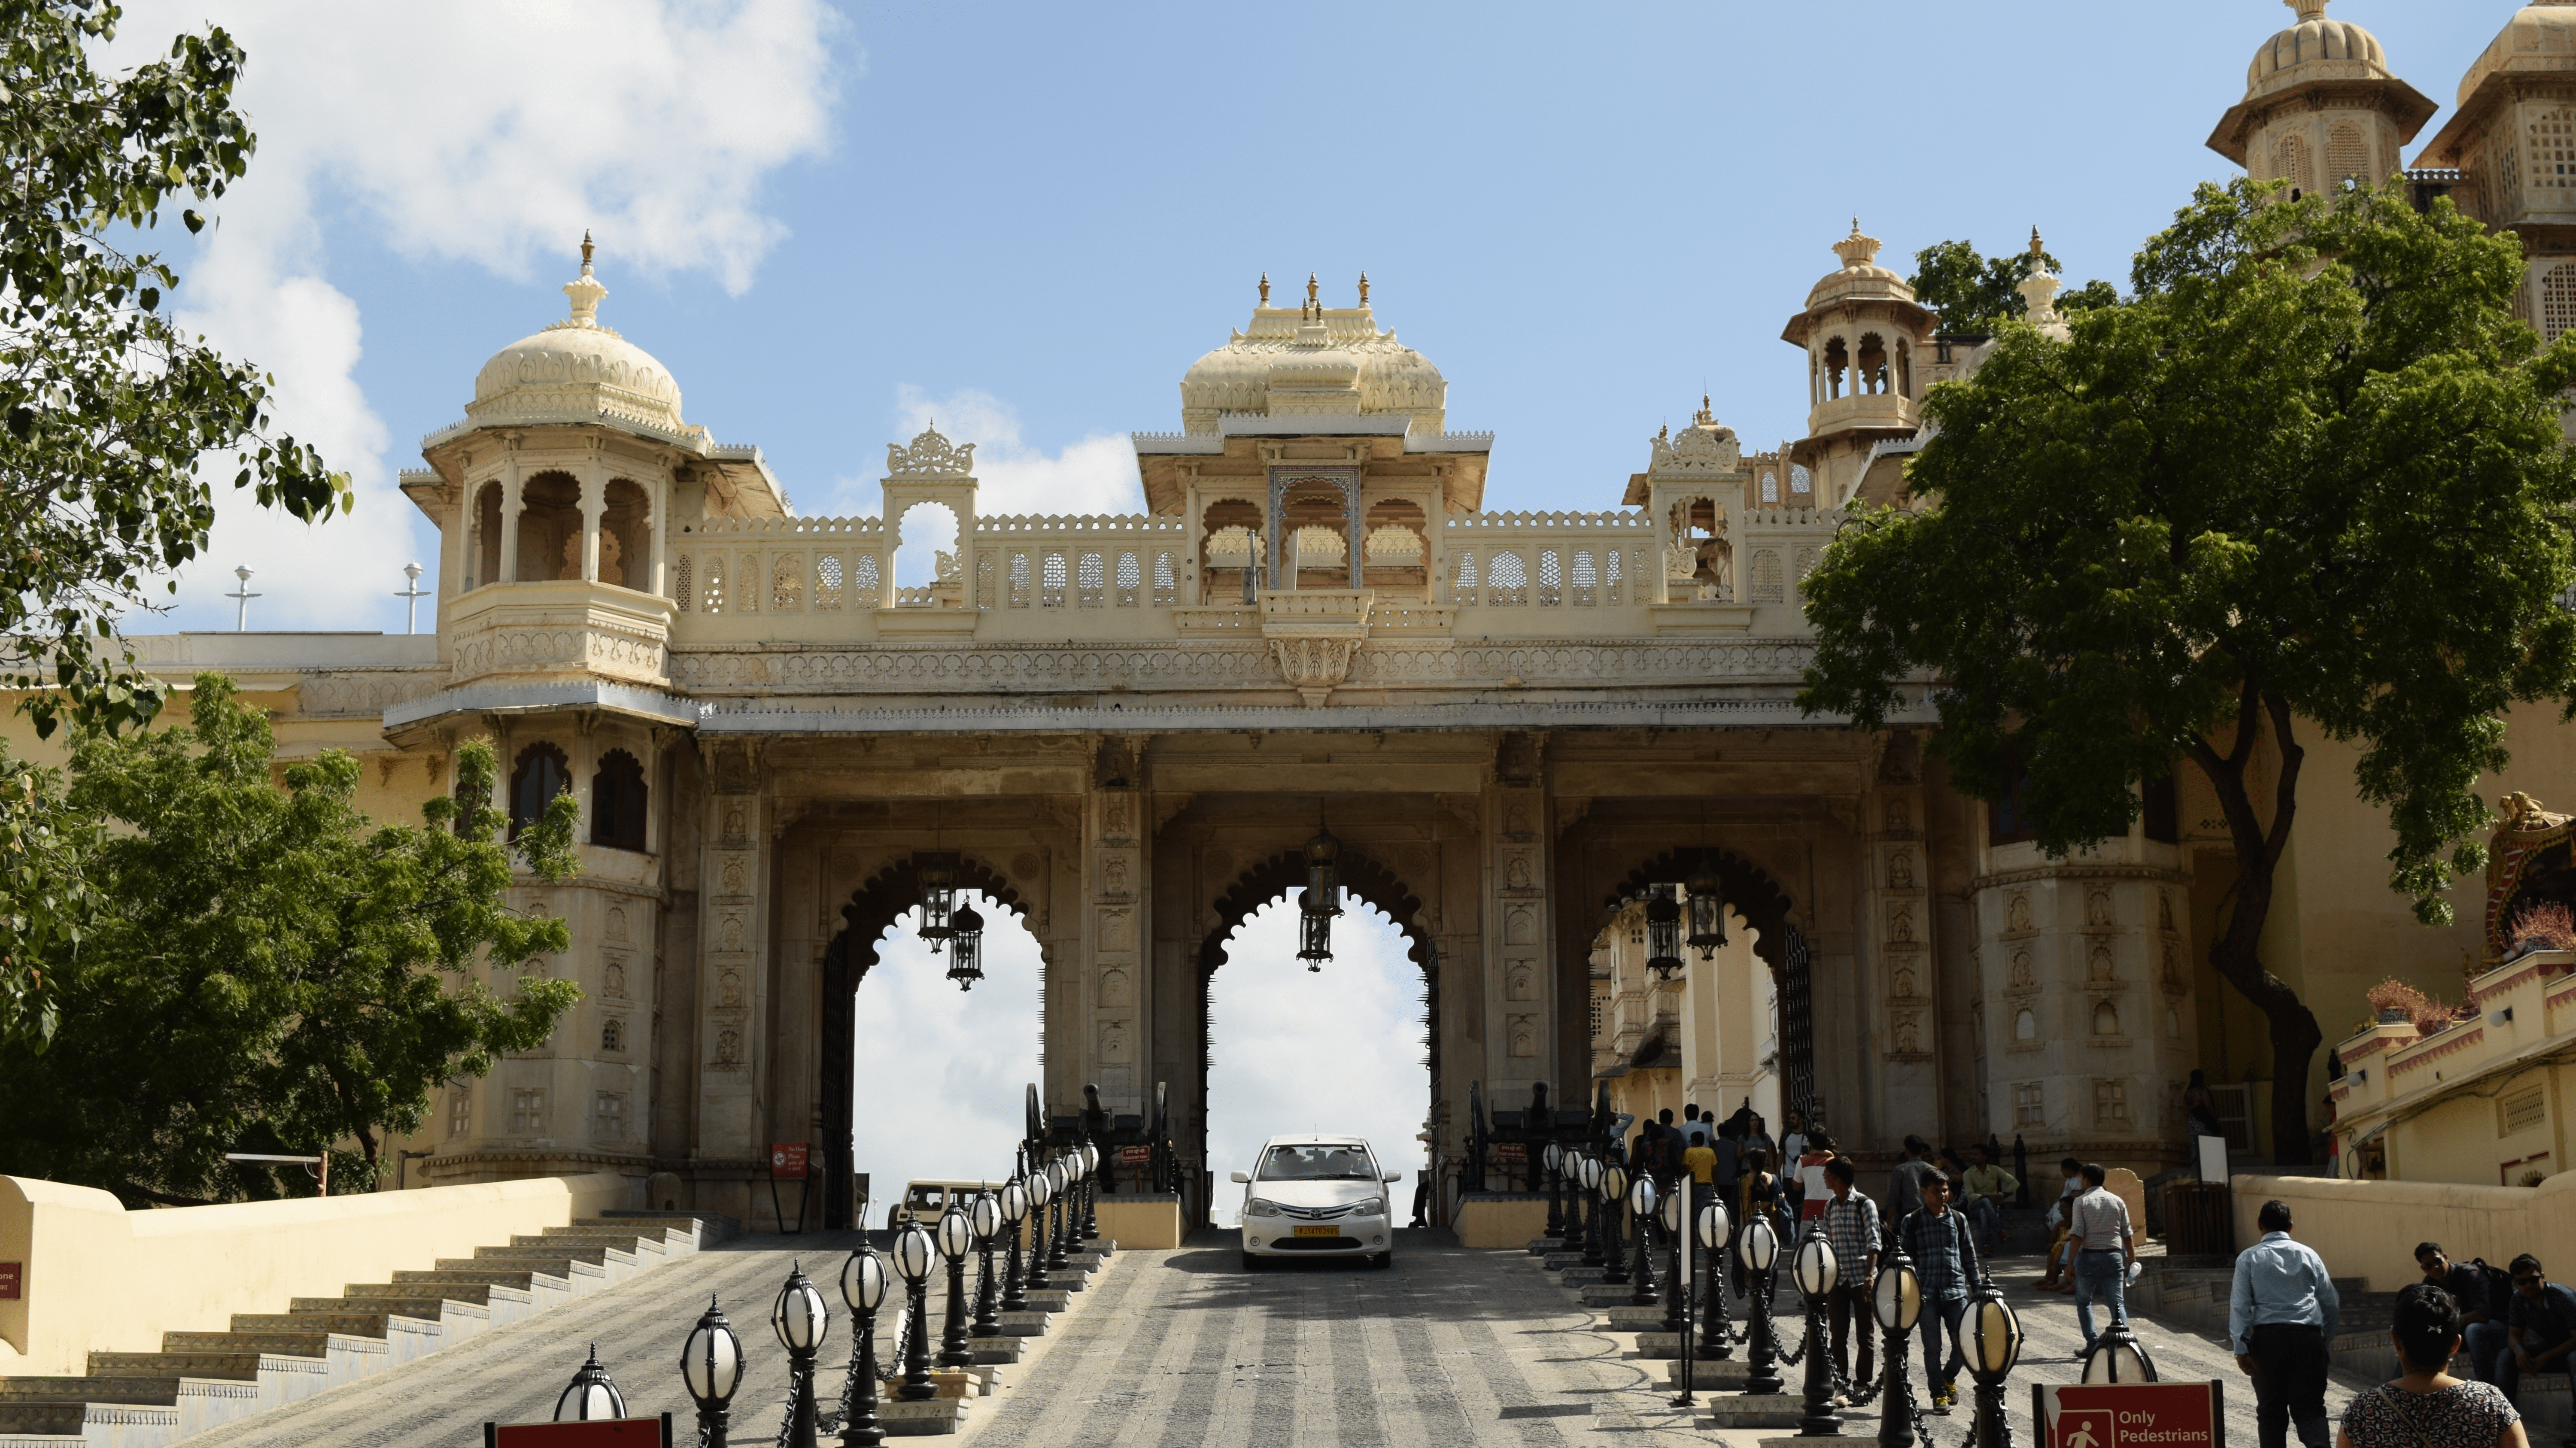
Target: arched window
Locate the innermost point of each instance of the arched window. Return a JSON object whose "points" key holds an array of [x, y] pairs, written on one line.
{"points": [[1837, 357], [2347, 155], [1770, 487], [617, 798], [2290, 163], [541, 773]]}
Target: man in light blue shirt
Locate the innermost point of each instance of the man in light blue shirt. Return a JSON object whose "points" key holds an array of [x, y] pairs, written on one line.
{"points": [[2281, 1322]]}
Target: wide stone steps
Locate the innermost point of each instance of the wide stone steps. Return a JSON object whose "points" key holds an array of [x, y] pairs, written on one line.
{"points": [[200, 1380]]}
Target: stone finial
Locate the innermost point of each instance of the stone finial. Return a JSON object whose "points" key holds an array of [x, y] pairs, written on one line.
{"points": [[1310, 290], [2308, 9], [1363, 289], [585, 290], [1265, 289], [930, 456], [1706, 414], [2036, 251], [2039, 294], [1857, 250]]}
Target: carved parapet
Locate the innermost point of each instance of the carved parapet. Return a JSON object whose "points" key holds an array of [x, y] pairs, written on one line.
{"points": [[563, 629], [1314, 634]]}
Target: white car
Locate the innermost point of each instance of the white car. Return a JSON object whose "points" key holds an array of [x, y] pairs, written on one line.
{"points": [[1316, 1195]]}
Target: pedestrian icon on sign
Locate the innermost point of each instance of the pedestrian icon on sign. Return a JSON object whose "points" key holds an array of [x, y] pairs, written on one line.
{"points": [[2082, 1437]]}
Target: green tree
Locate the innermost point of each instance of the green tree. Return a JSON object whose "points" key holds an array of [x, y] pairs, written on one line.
{"points": [[2310, 478], [46, 902], [111, 417], [271, 970], [1974, 292]]}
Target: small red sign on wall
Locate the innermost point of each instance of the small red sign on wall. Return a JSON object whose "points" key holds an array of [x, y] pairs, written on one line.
{"points": [[1511, 1151], [1135, 1155], [787, 1160], [11, 1273]]}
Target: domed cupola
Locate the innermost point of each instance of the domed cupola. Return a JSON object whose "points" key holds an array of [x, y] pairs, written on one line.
{"points": [[576, 371], [2321, 107], [1313, 360]]}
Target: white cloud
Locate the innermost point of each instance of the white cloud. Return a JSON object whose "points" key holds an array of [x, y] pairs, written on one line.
{"points": [[474, 131]]}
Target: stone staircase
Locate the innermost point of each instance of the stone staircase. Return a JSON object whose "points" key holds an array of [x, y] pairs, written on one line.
{"points": [[267, 1359]]}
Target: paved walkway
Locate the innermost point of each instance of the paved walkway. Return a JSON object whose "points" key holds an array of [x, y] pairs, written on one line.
{"points": [[1174, 1348]]}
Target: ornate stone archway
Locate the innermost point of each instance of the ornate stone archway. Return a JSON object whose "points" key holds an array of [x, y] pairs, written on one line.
{"points": [[876, 904]]}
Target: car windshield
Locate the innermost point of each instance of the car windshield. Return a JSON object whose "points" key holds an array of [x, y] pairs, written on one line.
{"points": [[1328, 1163]]}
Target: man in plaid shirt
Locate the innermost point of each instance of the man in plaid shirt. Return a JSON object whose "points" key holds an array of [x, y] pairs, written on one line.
{"points": [[1851, 1226], [1945, 1261]]}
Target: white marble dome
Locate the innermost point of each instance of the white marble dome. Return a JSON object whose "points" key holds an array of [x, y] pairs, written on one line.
{"points": [[2317, 41], [1335, 360], [576, 370]]}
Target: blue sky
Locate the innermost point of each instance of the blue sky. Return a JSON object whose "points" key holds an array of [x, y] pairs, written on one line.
{"points": [[1027, 220]]}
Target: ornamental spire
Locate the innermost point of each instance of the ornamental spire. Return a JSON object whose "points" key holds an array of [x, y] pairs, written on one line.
{"points": [[585, 290]]}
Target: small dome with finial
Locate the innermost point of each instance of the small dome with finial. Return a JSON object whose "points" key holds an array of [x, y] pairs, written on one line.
{"points": [[1312, 358], [576, 370], [2315, 47], [1861, 275]]}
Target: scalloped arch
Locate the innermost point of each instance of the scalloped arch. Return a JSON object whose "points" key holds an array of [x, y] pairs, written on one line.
{"points": [[1750, 892]]}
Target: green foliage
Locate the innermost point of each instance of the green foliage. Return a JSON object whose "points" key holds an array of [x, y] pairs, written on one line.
{"points": [[46, 902], [272, 971], [108, 411], [1974, 292], [2312, 471]]}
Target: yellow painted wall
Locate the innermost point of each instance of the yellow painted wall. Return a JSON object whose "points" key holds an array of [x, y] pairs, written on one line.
{"points": [[101, 1278], [2369, 1229], [1151, 1223]]}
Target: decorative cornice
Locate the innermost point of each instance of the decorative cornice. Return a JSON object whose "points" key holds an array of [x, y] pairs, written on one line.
{"points": [[2078, 872]]}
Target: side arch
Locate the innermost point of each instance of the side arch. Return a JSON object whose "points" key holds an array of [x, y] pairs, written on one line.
{"points": [[879, 902], [1766, 907]]}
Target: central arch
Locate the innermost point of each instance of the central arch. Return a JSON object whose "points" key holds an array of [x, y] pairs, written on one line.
{"points": [[883, 899], [1283, 874], [1750, 892]]}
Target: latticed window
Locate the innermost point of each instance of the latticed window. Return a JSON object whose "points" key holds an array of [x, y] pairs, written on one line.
{"points": [[1131, 577], [2290, 163], [2558, 300], [1766, 576], [1586, 580], [2348, 154], [1088, 580], [1462, 588], [984, 581], [787, 583], [2029, 1107], [1167, 587], [2550, 147], [680, 587], [1051, 579], [1770, 487], [612, 1035], [2110, 1103], [460, 1110], [827, 581], [2523, 1111], [1802, 481], [1610, 593], [715, 594], [747, 579], [1551, 579], [1019, 580], [1804, 562], [1509, 587], [865, 581], [1596, 1018]]}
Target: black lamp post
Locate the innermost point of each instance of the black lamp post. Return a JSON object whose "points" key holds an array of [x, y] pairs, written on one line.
{"points": [[1553, 1160], [863, 1291], [1039, 1194], [800, 1319], [1716, 1334], [986, 1218], [1994, 1333], [1896, 1301], [1758, 1248], [1577, 1232], [711, 1368], [591, 1394], [2117, 1356], [956, 1237], [1015, 1212], [912, 1253], [1060, 1180], [1817, 1272], [1675, 1215], [1663, 932], [1613, 1188], [1641, 1214], [966, 947], [1090, 1190], [1707, 909]]}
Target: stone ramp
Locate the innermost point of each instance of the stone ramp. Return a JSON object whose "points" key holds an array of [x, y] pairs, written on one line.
{"points": [[262, 1361]]}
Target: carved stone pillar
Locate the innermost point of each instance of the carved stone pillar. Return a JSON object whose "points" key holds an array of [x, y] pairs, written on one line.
{"points": [[1899, 934], [1117, 906], [594, 506], [510, 505], [1520, 985], [735, 1001]]}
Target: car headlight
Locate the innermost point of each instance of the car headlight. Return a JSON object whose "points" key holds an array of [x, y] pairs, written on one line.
{"points": [[1373, 1207], [1260, 1208]]}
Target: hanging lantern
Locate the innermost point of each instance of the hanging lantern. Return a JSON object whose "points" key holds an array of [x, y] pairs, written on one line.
{"points": [[1314, 931], [938, 899], [1707, 909], [966, 947], [1663, 932], [1323, 865]]}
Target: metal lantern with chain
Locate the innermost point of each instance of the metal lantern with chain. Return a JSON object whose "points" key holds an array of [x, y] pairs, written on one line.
{"points": [[1663, 932], [711, 1368], [801, 1321], [938, 899], [1896, 1300], [2117, 1357], [1613, 1189], [1994, 1345], [1816, 1271], [1641, 1210], [1757, 1247], [592, 1394], [1707, 909], [863, 1291], [1715, 1334], [1321, 900], [966, 947]]}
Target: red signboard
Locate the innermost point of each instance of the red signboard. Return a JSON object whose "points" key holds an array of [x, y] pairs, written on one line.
{"points": [[1135, 1155], [787, 1160], [2129, 1415], [11, 1274], [599, 1433], [1511, 1151]]}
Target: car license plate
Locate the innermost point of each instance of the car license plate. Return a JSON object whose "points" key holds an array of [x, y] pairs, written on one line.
{"points": [[1323, 1231]]}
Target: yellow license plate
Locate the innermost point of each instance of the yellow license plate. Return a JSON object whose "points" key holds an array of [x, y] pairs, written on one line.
{"points": [[1325, 1231]]}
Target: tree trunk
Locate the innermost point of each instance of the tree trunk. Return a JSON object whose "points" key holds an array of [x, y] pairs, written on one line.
{"points": [[2294, 1032]]}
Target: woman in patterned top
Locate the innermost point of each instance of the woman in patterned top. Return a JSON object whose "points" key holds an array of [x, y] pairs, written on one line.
{"points": [[2426, 1407]]}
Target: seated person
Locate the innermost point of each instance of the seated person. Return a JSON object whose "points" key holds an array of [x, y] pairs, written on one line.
{"points": [[2467, 1283], [1986, 1186], [2542, 1326]]}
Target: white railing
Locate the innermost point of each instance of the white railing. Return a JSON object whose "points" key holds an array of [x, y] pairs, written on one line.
{"points": [[779, 565], [1087, 561], [1549, 560]]}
